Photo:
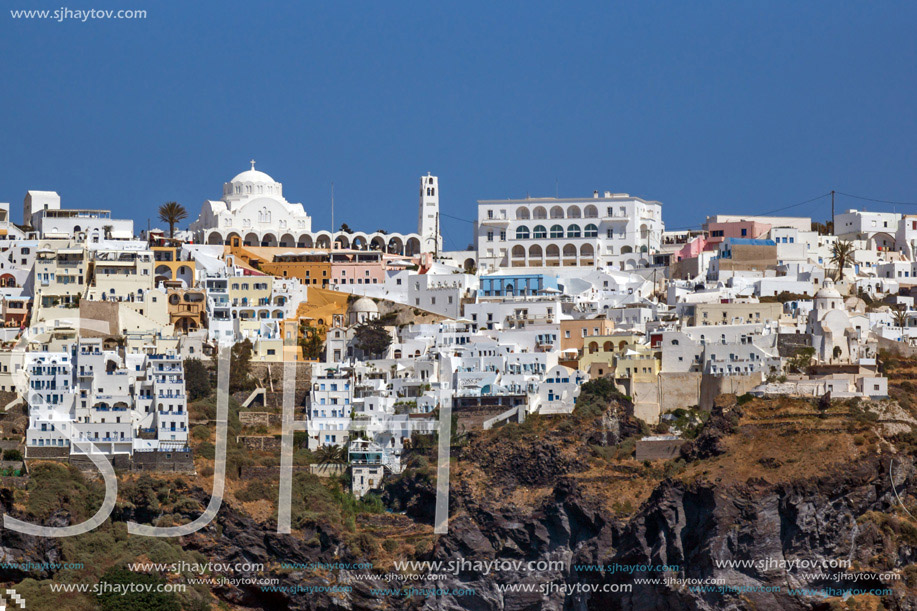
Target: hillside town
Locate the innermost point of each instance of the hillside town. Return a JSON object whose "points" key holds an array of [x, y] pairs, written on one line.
{"points": [[392, 331]]}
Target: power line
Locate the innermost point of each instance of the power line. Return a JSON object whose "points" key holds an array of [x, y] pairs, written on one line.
{"points": [[878, 201], [456, 218]]}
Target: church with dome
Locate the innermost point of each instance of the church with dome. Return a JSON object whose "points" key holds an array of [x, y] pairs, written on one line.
{"points": [[254, 212]]}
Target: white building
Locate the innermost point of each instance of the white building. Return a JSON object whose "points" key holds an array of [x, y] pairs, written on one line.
{"points": [[330, 406], [441, 293], [879, 227], [121, 405], [42, 211], [254, 212], [616, 230]]}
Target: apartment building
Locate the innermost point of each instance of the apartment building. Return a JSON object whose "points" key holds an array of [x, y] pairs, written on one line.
{"points": [[617, 231]]}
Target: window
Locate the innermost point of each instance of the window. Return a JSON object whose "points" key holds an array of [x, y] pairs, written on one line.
{"points": [[591, 231], [539, 232], [573, 231], [522, 233], [557, 231]]}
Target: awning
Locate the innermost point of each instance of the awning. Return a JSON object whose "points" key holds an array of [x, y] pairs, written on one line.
{"points": [[122, 235], [70, 251], [49, 235]]}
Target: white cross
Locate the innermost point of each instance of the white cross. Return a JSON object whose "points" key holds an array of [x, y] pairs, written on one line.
{"points": [[252, 161]]}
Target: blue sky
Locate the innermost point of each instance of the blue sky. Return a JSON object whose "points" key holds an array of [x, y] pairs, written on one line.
{"points": [[720, 107]]}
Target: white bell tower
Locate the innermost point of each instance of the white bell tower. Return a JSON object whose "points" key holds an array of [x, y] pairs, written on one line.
{"points": [[428, 215]]}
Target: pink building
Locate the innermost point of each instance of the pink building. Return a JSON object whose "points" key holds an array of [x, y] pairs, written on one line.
{"points": [[717, 232], [692, 249], [357, 267]]}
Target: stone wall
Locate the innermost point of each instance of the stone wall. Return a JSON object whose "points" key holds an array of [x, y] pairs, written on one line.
{"points": [[658, 449], [47, 452], [260, 418], [789, 343], [713, 386], [171, 461], [265, 443], [267, 473], [679, 390], [160, 461]]}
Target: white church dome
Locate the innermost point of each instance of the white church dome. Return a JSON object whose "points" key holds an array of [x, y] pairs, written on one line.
{"points": [[828, 291], [364, 305], [252, 175]]}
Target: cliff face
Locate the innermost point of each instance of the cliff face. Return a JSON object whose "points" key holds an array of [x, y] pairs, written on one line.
{"points": [[697, 527], [769, 499]]}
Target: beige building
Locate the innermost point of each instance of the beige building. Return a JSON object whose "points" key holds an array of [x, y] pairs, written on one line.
{"points": [[703, 314]]}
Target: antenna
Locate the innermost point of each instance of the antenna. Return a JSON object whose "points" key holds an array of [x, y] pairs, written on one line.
{"points": [[332, 215]]}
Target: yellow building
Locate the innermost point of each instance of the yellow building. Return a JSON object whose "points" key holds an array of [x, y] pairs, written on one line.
{"points": [[252, 295], [170, 265], [320, 311], [620, 355]]}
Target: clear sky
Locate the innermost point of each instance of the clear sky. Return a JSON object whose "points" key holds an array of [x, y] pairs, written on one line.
{"points": [[730, 107]]}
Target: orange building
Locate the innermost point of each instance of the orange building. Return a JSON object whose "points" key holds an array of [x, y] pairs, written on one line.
{"points": [[311, 266], [574, 333], [187, 309]]}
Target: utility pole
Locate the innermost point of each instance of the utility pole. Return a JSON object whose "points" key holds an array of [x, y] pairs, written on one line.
{"points": [[832, 212], [332, 215]]}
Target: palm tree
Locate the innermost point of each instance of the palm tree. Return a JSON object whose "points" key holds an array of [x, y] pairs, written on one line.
{"points": [[107, 229], [331, 454], [900, 317], [842, 256], [172, 213]]}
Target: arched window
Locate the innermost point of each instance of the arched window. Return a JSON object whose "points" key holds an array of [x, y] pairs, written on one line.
{"points": [[591, 212], [557, 212], [573, 231], [570, 251], [522, 213], [591, 231], [522, 233], [518, 252], [573, 212], [539, 232], [557, 231], [539, 213]]}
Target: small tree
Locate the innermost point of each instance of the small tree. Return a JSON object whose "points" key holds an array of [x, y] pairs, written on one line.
{"points": [[842, 256], [240, 368], [197, 379], [345, 228], [310, 342], [801, 360], [900, 317], [372, 338], [172, 213], [331, 454]]}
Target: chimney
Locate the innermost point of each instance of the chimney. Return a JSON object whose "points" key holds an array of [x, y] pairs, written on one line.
{"points": [[595, 194], [607, 194]]}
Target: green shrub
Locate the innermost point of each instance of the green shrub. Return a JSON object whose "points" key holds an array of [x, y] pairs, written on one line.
{"points": [[12, 455]]}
